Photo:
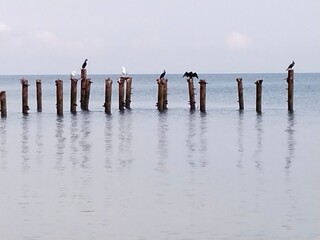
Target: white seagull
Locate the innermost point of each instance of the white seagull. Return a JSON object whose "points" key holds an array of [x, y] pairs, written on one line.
{"points": [[124, 72], [73, 74]]}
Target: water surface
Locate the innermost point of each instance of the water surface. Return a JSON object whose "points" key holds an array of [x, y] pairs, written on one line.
{"points": [[141, 174]]}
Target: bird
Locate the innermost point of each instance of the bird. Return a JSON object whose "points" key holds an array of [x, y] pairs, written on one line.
{"points": [[124, 72], [84, 64], [163, 74], [291, 65], [73, 74], [190, 74]]}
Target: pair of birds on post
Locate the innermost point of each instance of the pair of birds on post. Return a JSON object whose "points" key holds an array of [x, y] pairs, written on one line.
{"points": [[186, 74], [83, 66]]}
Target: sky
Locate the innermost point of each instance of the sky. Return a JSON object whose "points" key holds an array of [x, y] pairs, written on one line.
{"points": [[147, 36]]}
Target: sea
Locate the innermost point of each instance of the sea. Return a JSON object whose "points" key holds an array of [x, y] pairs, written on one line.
{"points": [[141, 174]]}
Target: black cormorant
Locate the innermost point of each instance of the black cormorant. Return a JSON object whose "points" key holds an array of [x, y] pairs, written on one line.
{"points": [[84, 64], [163, 74], [190, 74], [291, 65]]}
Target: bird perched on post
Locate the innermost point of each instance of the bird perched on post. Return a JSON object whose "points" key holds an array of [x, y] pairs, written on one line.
{"points": [[124, 72], [162, 74], [190, 74], [291, 65], [84, 64], [73, 74]]}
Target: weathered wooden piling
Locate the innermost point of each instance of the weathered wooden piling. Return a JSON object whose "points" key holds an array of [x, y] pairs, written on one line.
{"points": [[108, 93], [83, 74], [59, 88], [165, 94], [73, 95], [258, 95], [39, 95], [25, 85], [121, 82], [86, 98], [162, 94], [203, 85], [240, 93], [128, 92], [290, 89], [83, 90], [191, 94], [3, 104]]}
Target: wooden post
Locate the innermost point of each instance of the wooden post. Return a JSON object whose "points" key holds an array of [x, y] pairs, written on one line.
{"points": [[240, 93], [108, 92], [39, 95], [83, 78], [83, 74], [25, 85], [290, 89], [258, 95], [87, 87], [128, 92], [73, 95], [161, 94], [121, 81], [59, 85], [191, 94], [165, 93], [3, 104], [203, 85]]}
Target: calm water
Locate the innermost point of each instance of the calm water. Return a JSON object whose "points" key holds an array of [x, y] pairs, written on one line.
{"points": [[175, 175]]}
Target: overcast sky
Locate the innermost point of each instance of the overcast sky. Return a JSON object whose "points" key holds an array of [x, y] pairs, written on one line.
{"points": [[147, 36]]}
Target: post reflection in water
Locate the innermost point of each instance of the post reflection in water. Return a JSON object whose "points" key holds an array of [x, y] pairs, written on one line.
{"points": [[60, 145], [203, 140], [240, 139], [125, 155], [162, 141], [108, 141], [74, 137], [291, 140], [197, 134], [257, 153], [3, 143], [85, 142], [39, 139], [25, 147], [190, 139]]}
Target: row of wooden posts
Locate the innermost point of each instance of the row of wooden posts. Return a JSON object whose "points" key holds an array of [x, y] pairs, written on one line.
{"points": [[259, 92], [125, 95]]}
